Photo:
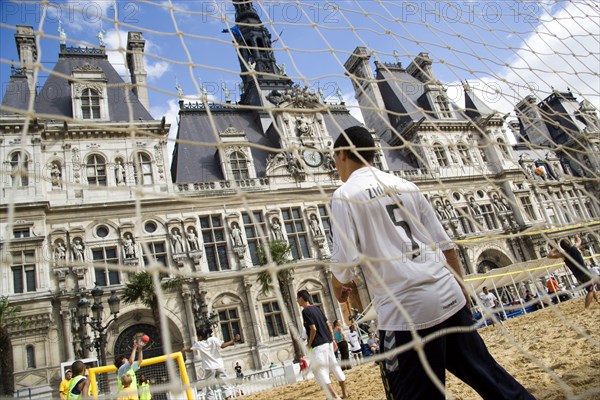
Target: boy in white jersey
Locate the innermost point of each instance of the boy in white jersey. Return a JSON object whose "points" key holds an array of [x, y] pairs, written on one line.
{"points": [[386, 224]]}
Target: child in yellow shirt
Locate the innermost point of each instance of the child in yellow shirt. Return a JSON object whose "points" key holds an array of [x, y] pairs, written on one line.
{"points": [[127, 393]]}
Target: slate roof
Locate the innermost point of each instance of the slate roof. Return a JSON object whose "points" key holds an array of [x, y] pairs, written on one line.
{"points": [[402, 93], [474, 106], [200, 163], [395, 160], [55, 96], [17, 94]]}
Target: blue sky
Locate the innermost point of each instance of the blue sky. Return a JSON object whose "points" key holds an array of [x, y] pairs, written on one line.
{"points": [[505, 49]]}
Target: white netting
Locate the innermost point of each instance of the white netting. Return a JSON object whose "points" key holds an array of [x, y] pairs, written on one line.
{"points": [[490, 107]]}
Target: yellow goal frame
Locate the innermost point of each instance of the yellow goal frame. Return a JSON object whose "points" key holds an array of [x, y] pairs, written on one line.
{"points": [[150, 361]]}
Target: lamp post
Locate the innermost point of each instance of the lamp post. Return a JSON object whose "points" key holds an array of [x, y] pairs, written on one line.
{"points": [[202, 316], [96, 323]]}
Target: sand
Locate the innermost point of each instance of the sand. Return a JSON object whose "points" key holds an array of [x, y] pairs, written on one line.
{"points": [[558, 358]]}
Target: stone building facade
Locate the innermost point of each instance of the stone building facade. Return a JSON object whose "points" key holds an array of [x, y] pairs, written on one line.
{"points": [[90, 196]]}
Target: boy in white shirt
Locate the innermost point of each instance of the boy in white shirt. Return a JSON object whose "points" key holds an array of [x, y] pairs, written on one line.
{"points": [[386, 225], [212, 362]]}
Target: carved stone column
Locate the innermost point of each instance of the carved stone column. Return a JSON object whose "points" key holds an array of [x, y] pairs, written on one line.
{"points": [[189, 312], [65, 313], [337, 310], [256, 331]]}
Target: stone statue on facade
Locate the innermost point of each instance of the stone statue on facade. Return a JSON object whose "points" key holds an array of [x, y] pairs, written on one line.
{"points": [[78, 249], [100, 37], [236, 235], [294, 167], [315, 228], [60, 251], [119, 173], [61, 33], [176, 241], [303, 126], [276, 227], [441, 211], [55, 176], [128, 246], [192, 239]]}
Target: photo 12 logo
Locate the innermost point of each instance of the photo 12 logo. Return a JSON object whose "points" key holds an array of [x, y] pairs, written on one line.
{"points": [[290, 12], [70, 12]]}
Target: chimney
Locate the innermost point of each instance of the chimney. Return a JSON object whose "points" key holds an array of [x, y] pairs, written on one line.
{"points": [[135, 63], [420, 68], [27, 53]]}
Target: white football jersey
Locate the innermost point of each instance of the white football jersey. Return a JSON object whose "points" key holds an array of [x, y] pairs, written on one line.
{"points": [[384, 224]]}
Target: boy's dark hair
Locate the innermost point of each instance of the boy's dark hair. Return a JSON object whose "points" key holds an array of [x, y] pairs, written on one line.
{"points": [[78, 367], [565, 244], [204, 332], [119, 360], [304, 295], [359, 137]]}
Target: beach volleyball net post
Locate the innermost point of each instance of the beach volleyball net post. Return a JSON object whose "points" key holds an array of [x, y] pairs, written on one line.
{"points": [[500, 203], [155, 371]]}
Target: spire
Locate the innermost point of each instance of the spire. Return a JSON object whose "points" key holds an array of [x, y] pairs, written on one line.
{"points": [[254, 42], [244, 9]]}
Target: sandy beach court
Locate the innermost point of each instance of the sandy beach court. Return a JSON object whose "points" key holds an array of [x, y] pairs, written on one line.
{"points": [[554, 352]]}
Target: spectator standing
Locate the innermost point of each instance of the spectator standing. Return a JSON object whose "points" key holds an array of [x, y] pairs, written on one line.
{"points": [[238, 371], [552, 287], [342, 344], [388, 226], [144, 388], [64, 385], [354, 341]]}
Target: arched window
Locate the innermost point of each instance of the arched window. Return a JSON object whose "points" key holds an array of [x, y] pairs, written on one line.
{"points": [[464, 154], [18, 169], [239, 166], [485, 266], [143, 169], [229, 322], [30, 351], [440, 154], [96, 170], [90, 104]]}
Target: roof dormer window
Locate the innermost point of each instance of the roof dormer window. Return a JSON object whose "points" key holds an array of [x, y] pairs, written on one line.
{"points": [[89, 93], [239, 166], [90, 104], [443, 106]]}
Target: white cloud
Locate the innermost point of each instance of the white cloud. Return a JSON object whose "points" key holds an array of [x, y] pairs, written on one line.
{"points": [[116, 42], [156, 70], [170, 112], [79, 16], [352, 105], [561, 53]]}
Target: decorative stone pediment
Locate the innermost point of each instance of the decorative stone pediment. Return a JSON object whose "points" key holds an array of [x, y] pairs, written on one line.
{"points": [[226, 301], [87, 67], [232, 131], [296, 97]]}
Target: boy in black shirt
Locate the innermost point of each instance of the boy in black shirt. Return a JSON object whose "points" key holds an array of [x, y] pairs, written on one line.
{"points": [[320, 340]]}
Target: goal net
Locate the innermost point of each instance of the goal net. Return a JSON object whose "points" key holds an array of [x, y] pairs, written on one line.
{"points": [[161, 383], [179, 153]]}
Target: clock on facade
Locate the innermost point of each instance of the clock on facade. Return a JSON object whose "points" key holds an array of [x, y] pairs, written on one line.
{"points": [[312, 157]]}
